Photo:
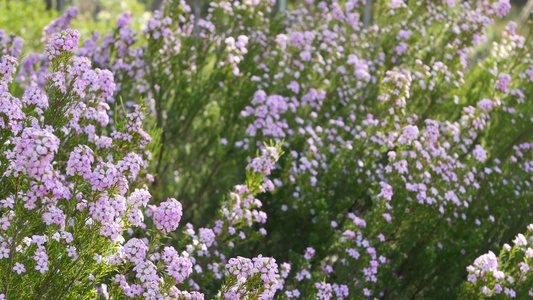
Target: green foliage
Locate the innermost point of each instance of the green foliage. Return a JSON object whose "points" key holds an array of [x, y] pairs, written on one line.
{"points": [[26, 18]]}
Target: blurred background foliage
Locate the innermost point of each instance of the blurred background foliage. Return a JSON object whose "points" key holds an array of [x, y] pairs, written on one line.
{"points": [[26, 18], [23, 16]]}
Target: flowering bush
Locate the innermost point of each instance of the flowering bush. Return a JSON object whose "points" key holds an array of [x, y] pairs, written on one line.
{"points": [[73, 185], [407, 148], [504, 275]]}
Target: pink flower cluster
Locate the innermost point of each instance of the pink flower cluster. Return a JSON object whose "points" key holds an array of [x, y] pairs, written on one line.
{"points": [[507, 274], [244, 272]]}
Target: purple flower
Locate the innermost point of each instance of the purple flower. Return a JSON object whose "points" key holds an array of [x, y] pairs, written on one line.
{"points": [[63, 42], [168, 215]]}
